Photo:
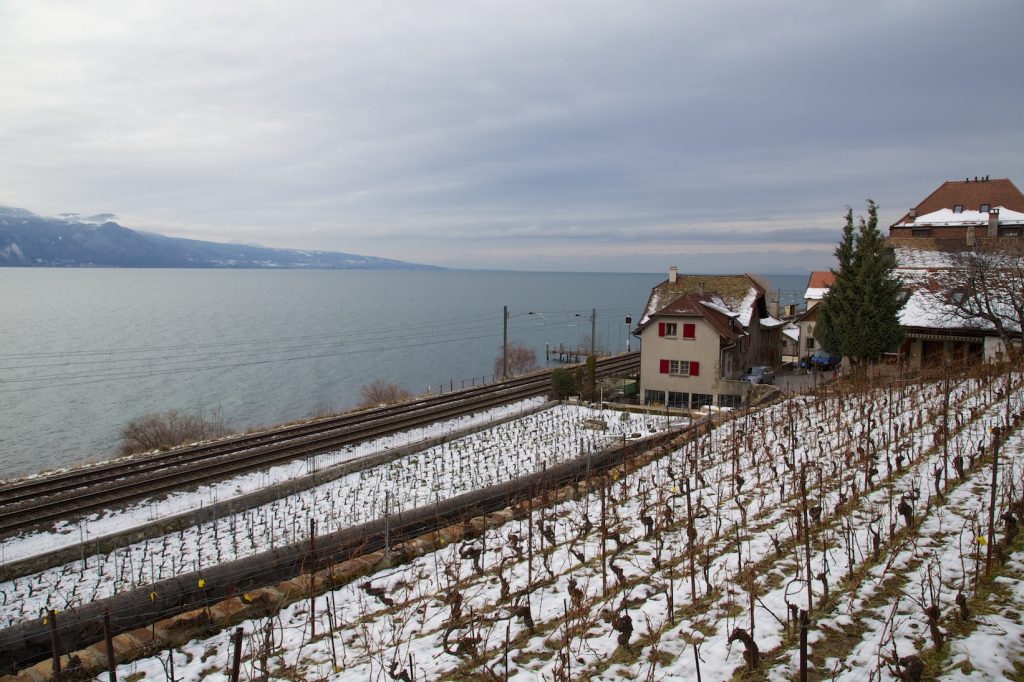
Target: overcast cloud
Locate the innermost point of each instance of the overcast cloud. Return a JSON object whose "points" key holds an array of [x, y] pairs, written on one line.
{"points": [[600, 136]]}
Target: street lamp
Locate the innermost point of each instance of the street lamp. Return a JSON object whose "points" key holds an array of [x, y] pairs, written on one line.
{"points": [[629, 321]]}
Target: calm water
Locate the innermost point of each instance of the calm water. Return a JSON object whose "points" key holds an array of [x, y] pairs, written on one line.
{"points": [[83, 351]]}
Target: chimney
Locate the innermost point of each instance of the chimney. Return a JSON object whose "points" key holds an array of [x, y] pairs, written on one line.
{"points": [[912, 213], [993, 222], [702, 288], [969, 236], [673, 274]]}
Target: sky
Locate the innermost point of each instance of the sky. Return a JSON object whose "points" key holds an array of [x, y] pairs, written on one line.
{"points": [[587, 136]]}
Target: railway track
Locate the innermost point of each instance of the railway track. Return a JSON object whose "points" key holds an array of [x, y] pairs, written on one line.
{"points": [[31, 641], [29, 503]]}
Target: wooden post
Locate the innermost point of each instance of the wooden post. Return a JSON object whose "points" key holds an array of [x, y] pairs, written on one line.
{"points": [[55, 648], [312, 580], [807, 537], [604, 536], [691, 536], [803, 645], [111, 660], [992, 501], [236, 659]]}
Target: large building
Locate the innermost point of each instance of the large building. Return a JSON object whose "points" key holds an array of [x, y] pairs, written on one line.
{"points": [[961, 211], [699, 334], [960, 215]]}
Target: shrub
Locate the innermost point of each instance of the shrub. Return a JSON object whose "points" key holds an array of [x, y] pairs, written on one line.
{"points": [[563, 384], [382, 392], [166, 430], [520, 360]]}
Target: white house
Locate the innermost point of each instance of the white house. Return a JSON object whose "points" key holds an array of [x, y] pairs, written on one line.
{"points": [[700, 333]]}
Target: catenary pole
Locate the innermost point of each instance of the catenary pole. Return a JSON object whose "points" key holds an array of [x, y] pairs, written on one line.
{"points": [[504, 346]]}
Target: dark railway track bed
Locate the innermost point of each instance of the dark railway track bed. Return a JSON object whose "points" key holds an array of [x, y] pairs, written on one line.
{"points": [[40, 502]]}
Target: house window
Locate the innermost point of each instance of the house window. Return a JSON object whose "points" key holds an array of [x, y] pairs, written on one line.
{"points": [[689, 331], [920, 231], [679, 367], [668, 329], [682, 368], [730, 400], [958, 208], [984, 208], [810, 343], [677, 399], [702, 399], [651, 397], [1011, 233]]}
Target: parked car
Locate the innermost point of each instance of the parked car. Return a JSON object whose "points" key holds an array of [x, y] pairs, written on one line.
{"points": [[821, 360], [759, 374]]}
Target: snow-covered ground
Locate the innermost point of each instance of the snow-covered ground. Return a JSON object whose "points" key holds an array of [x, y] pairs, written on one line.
{"points": [[496, 454], [142, 512], [895, 534]]}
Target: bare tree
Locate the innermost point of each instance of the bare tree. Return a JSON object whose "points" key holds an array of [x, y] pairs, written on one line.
{"points": [[165, 430], [382, 392], [520, 360], [984, 288]]}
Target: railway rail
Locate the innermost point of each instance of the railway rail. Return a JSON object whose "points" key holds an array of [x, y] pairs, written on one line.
{"points": [[28, 503], [32, 641]]}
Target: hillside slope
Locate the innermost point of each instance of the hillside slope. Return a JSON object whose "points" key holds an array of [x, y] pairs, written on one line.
{"points": [[69, 240]]}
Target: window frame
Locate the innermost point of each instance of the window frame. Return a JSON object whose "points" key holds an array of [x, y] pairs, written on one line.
{"points": [[677, 399], [651, 397], [675, 368]]}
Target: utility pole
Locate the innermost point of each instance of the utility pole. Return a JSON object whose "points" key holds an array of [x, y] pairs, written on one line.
{"points": [[593, 330], [629, 320], [504, 346]]}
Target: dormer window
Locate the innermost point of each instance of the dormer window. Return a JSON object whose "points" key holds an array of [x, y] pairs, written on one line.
{"points": [[958, 208], [984, 208]]}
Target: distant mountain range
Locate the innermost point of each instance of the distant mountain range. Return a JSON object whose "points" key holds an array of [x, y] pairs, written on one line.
{"points": [[73, 240]]}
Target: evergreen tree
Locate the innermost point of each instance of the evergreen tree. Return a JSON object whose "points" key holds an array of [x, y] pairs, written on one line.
{"points": [[859, 316]]}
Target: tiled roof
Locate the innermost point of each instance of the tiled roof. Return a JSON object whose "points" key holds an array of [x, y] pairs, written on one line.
{"points": [[970, 194], [821, 279], [818, 284], [695, 305], [738, 293]]}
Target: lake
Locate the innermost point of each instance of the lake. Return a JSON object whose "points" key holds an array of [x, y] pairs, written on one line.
{"points": [[83, 351]]}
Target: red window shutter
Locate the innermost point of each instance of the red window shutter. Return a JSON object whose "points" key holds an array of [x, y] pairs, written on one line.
{"points": [[661, 329], [694, 368], [689, 331], [664, 366]]}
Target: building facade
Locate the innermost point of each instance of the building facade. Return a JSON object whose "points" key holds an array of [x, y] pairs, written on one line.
{"points": [[699, 334], [959, 216]]}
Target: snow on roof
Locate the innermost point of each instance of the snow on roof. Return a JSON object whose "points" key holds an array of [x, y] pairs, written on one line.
{"points": [[792, 331], [737, 294], [771, 322], [815, 294], [947, 217], [745, 309], [909, 257], [717, 305], [927, 309], [654, 304], [927, 306]]}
